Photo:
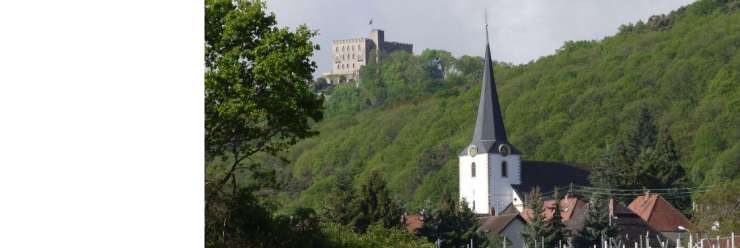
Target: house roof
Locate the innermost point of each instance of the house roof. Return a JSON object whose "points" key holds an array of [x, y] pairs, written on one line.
{"points": [[631, 226], [547, 175], [497, 223], [412, 222], [657, 212], [567, 208], [489, 125]]}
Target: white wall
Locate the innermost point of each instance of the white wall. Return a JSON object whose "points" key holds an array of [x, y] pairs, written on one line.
{"points": [[488, 189], [518, 201], [500, 187], [474, 188]]}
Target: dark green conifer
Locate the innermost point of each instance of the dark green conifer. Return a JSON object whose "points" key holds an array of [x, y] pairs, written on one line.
{"points": [[555, 230], [597, 225], [374, 205], [534, 231]]}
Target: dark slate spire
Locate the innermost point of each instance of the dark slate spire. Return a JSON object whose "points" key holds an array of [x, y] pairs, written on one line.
{"points": [[489, 126]]}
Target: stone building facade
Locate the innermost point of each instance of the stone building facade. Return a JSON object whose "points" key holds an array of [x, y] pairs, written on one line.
{"points": [[349, 55]]}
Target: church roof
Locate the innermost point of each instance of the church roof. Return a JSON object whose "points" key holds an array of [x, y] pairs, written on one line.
{"points": [[547, 175], [489, 125]]}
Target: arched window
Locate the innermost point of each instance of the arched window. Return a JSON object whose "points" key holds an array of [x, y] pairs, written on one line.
{"points": [[472, 170], [504, 170]]}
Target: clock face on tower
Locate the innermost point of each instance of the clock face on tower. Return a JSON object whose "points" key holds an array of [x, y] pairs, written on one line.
{"points": [[472, 151], [504, 150]]}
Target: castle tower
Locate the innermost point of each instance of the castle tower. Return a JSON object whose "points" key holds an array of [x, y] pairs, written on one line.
{"points": [[489, 165]]}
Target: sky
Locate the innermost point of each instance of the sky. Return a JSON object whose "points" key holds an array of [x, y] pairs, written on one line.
{"points": [[519, 31]]}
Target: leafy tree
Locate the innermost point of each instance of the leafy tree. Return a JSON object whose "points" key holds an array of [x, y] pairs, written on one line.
{"points": [[257, 97], [534, 231], [374, 205], [376, 237], [338, 206], [597, 225], [555, 231], [719, 204], [453, 224], [239, 220]]}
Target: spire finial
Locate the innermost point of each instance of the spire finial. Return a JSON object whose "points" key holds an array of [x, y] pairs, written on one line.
{"points": [[485, 18]]}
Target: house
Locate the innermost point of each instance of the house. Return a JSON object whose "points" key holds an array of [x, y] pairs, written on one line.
{"points": [[660, 215], [412, 222], [508, 224], [631, 226]]}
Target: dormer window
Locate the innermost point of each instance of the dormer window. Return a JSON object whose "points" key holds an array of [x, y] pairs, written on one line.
{"points": [[504, 170], [472, 170]]}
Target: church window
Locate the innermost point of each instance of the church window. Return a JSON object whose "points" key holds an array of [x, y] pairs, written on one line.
{"points": [[504, 170], [472, 170]]}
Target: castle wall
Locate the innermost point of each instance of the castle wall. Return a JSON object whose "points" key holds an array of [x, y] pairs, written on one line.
{"points": [[389, 47], [349, 55]]}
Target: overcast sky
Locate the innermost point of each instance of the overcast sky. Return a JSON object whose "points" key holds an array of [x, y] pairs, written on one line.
{"points": [[520, 31]]}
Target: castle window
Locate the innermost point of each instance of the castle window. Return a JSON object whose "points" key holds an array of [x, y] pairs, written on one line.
{"points": [[472, 170], [504, 170]]}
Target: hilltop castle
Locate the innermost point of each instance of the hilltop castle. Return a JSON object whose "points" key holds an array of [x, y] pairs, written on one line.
{"points": [[349, 55]]}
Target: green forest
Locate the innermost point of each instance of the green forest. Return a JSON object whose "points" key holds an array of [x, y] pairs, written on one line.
{"points": [[388, 143], [410, 117]]}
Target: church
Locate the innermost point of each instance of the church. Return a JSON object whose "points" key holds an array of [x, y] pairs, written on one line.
{"points": [[492, 175]]}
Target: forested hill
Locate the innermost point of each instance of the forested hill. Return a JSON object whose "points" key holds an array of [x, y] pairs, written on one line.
{"points": [[413, 121]]}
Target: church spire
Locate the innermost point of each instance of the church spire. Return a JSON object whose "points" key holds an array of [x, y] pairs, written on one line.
{"points": [[489, 126]]}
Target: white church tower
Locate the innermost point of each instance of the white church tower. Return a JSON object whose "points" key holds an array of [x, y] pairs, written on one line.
{"points": [[489, 165]]}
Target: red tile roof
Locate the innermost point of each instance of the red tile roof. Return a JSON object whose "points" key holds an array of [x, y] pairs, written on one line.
{"points": [[567, 206], [658, 213], [412, 222]]}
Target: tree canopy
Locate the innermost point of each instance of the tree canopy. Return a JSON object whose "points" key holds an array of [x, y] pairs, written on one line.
{"points": [[681, 69]]}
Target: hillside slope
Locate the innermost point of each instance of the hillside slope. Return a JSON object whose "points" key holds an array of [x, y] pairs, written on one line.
{"points": [[683, 67]]}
